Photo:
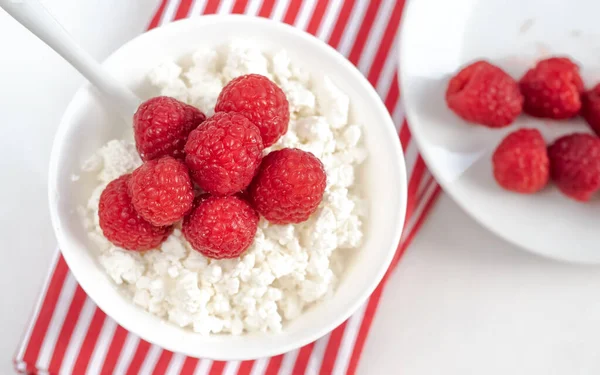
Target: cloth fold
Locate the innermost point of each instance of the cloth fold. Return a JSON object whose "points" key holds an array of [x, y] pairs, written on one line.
{"points": [[69, 334]]}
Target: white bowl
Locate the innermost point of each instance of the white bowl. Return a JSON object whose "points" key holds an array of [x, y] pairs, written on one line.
{"points": [[87, 125]]}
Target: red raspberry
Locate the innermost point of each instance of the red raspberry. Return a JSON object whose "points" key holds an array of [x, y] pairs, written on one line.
{"points": [[221, 227], [161, 126], [484, 94], [261, 101], [224, 153], [590, 108], [575, 165], [521, 162], [552, 89], [121, 224], [161, 190], [289, 186]]}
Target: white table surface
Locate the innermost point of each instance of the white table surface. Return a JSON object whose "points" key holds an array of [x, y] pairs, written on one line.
{"points": [[461, 302]]}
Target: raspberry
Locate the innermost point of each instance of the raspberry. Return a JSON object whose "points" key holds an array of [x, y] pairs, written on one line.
{"points": [[484, 94], [590, 108], [161, 126], [289, 186], [121, 224], [224, 153], [261, 101], [575, 165], [161, 190], [221, 227], [552, 89], [521, 162]]}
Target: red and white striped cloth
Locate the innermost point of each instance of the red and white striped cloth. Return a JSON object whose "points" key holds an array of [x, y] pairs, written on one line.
{"points": [[69, 334]]}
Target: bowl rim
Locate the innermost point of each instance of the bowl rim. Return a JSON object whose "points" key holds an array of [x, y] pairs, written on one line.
{"points": [[370, 94]]}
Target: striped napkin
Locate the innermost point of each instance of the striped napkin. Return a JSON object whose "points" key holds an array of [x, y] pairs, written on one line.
{"points": [[69, 334]]}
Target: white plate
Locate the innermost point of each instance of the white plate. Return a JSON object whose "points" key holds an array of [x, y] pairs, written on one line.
{"points": [[440, 36]]}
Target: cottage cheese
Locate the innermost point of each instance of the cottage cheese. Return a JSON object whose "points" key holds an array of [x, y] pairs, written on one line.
{"points": [[288, 268]]}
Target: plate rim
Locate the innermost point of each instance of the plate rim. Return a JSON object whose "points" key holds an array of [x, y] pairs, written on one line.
{"points": [[409, 11]]}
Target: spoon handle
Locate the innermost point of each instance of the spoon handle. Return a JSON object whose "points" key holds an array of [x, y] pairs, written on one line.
{"points": [[36, 18]]}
